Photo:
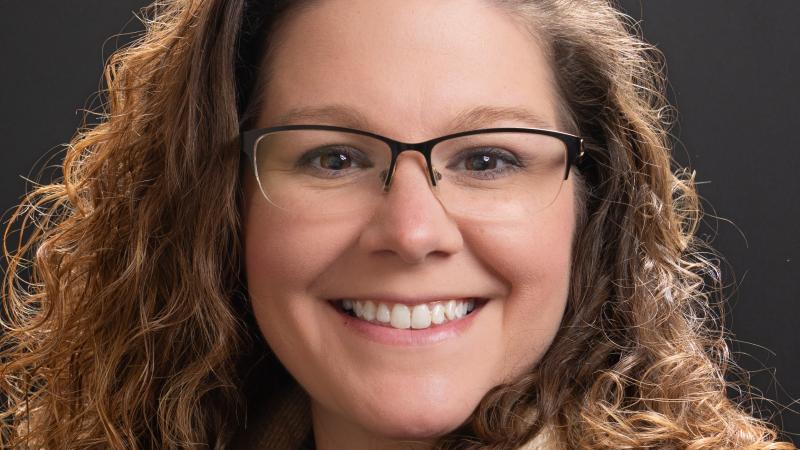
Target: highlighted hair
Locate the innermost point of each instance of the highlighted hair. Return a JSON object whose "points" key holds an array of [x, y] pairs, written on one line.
{"points": [[124, 323]]}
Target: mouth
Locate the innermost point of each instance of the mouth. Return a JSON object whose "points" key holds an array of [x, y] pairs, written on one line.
{"points": [[401, 316]]}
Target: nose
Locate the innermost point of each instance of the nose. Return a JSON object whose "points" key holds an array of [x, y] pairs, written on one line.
{"points": [[411, 223]]}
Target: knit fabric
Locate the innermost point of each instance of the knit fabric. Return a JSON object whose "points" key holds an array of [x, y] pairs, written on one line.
{"points": [[284, 424], [278, 411]]}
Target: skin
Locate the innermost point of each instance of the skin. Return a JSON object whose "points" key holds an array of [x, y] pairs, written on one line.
{"points": [[408, 66]]}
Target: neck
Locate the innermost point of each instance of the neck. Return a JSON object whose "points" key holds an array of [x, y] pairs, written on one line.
{"points": [[332, 432]]}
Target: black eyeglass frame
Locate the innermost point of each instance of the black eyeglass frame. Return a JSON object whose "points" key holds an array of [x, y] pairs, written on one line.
{"points": [[574, 144]]}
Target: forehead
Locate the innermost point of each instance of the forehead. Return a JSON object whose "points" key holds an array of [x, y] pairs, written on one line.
{"points": [[408, 68]]}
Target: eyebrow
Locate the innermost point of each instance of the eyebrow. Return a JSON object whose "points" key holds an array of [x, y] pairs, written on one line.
{"points": [[467, 119]]}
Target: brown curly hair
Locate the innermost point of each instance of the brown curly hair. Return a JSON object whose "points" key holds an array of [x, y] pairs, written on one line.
{"points": [[125, 322]]}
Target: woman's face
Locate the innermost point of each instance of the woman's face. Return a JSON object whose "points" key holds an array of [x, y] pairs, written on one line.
{"points": [[409, 67]]}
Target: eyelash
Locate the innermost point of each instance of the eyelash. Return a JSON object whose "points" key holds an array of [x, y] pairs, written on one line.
{"points": [[512, 163], [505, 156], [352, 154]]}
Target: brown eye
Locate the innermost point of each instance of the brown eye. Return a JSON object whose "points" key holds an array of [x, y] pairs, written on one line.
{"points": [[486, 162], [480, 162], [335, 161]]}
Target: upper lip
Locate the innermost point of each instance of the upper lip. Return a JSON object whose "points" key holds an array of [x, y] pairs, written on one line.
{"points": [[407, 299]]}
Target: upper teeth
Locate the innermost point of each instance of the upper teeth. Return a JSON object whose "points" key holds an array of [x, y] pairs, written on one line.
{"points": [[402, 316]]}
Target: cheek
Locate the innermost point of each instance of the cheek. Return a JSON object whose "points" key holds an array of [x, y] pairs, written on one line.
{"points": [[284, 252], [534, 259], [280, 254], [282, 257]]}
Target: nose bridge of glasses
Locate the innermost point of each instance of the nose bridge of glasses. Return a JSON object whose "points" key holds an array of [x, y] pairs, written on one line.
{"points": [[412, 191], [416, 151]]}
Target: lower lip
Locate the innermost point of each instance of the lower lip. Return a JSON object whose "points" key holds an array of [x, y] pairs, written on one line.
{"points": [[410, 336]]}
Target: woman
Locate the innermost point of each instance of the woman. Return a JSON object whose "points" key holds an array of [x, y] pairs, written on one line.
{"points": [[359, 224]]}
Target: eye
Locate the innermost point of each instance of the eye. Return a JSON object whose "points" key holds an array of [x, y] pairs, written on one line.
{"points": [[485, 162], [333, 160]]}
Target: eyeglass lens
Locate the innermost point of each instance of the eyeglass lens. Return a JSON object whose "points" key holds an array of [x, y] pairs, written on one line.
{"points": [[503, 175]]}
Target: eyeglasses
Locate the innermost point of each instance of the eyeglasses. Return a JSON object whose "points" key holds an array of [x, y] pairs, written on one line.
{"points": [[324, 170]]}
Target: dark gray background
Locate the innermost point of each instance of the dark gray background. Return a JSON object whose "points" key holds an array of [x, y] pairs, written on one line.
{"points": [[733, 69]]}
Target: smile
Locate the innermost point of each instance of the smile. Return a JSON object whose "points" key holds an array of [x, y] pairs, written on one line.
{"points": [[402, 316]]}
